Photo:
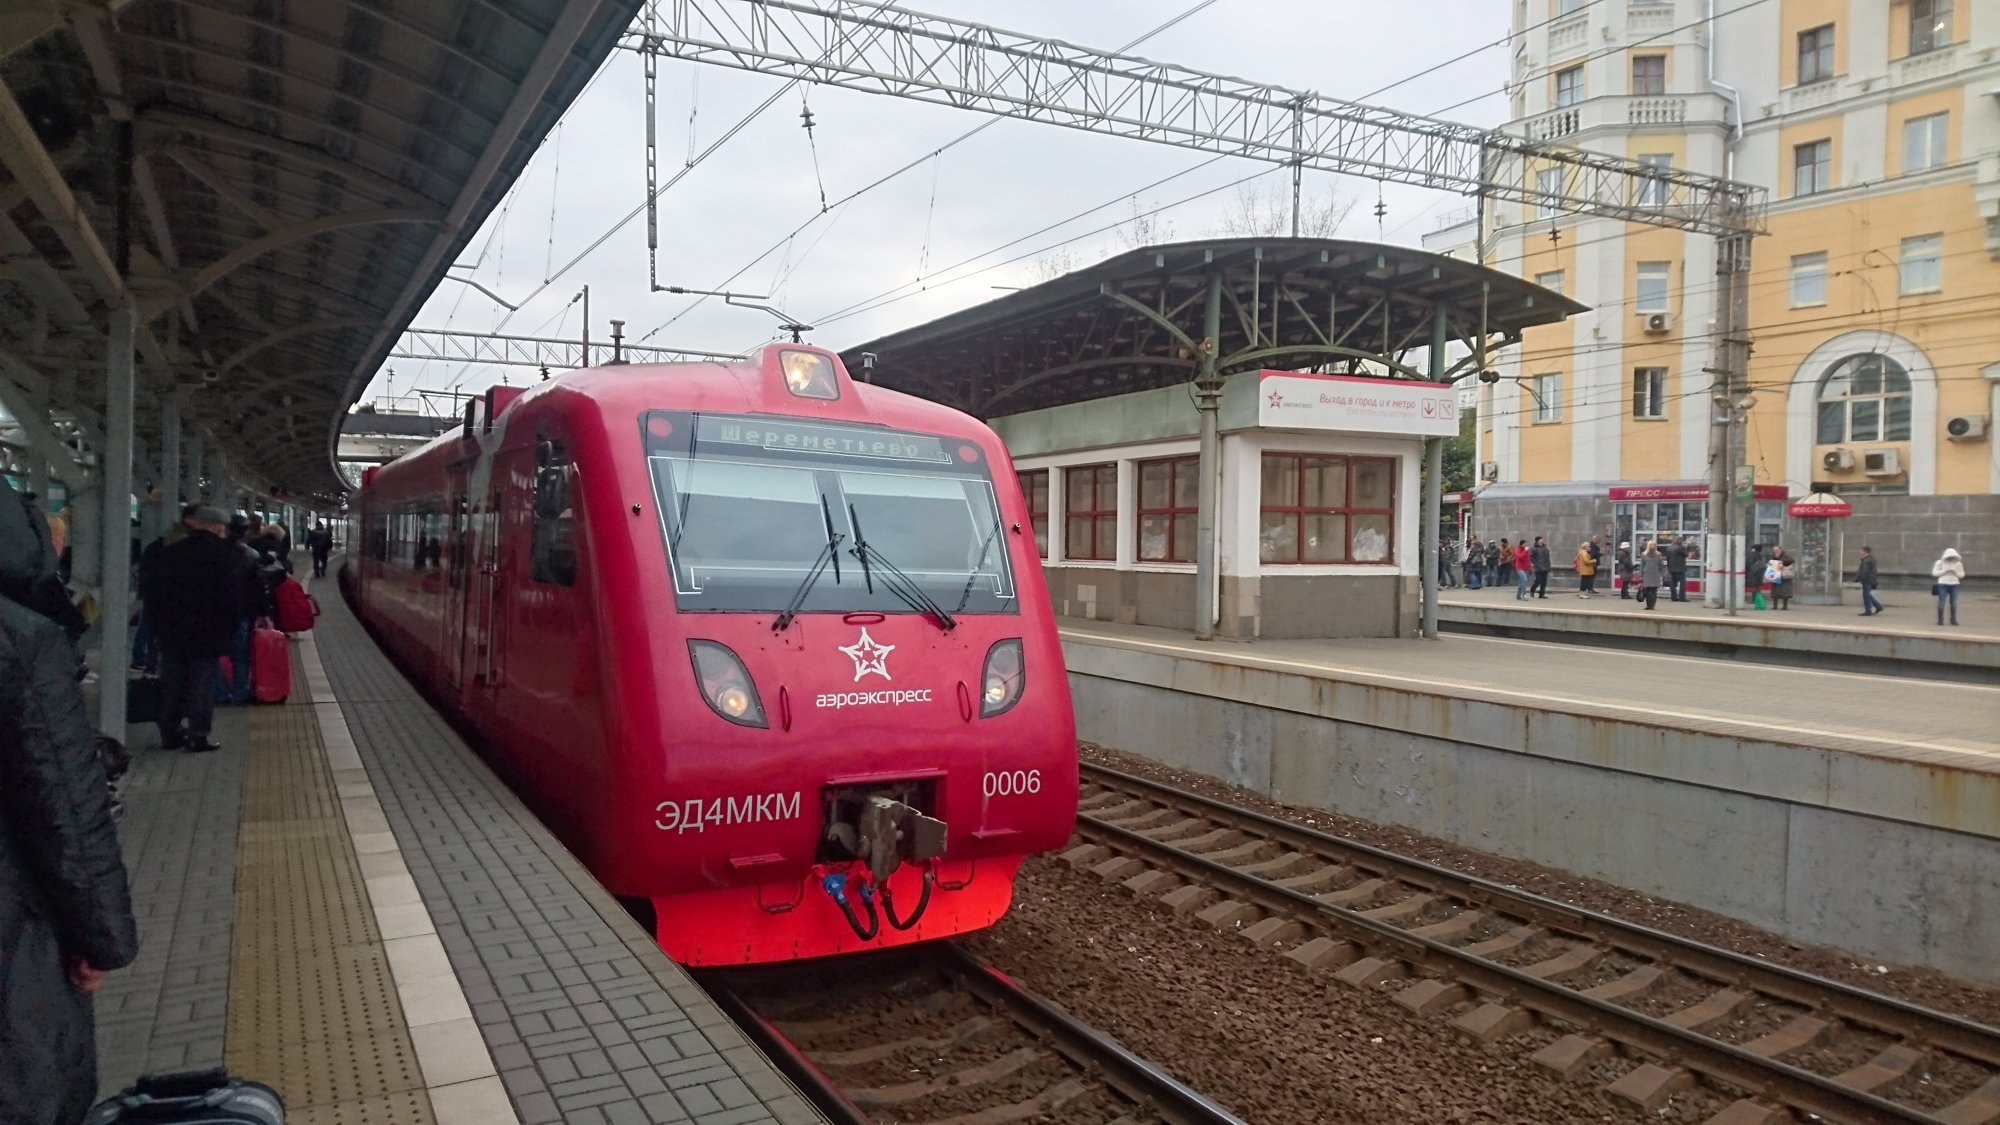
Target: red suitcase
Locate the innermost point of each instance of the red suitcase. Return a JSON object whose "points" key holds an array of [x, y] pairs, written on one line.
{"points": [[270, 664]]}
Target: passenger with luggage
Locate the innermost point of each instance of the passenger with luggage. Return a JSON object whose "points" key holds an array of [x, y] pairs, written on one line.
{"points": [[65, 907], [201, 588]]}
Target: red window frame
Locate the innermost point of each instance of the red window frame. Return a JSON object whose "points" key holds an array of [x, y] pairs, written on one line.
{"points": [[1035, 490], [1180, 470], [1098, 545], [1298, 509]]}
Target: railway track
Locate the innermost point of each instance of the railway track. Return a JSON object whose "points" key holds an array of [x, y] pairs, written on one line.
{"points": [[934, 1035], [1585, 993]]}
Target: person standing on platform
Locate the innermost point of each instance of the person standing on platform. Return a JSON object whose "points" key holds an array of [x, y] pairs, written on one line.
{"points": [[201, 606], [235, 687], [1676, 555], [1492, 564], [1779, 571], [1538, 559], [1586, 571], [1523, 567], [1864, 573], [1475, 562], [1653, 571], [65, 905], [319, 543], [1946, 574], [1621, 563]]}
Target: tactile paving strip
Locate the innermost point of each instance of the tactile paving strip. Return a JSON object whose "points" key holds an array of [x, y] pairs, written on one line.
{"points": [[312, 1002]]}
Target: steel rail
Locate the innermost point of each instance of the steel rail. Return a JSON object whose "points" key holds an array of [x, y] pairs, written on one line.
{"points": [[1694, 1050], [1103, 1058], [1084, 1045]]}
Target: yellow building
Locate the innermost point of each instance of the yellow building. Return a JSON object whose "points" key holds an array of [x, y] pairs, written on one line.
{"points": [[1874, 299]]}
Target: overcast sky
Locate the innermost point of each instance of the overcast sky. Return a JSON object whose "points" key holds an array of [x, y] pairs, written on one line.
{"points": [[1013, 179]]}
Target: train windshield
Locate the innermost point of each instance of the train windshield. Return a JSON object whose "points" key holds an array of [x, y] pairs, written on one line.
{"points": [[750, 507]]}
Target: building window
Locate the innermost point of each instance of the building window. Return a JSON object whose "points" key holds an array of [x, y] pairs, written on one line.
{"points": [[1812, 167], [1816, 55], [1930, 25], [1548, 392], [1649, 392], [1324, 509], [1090, 512], [1808, 279], [1570, 7], [1924, 141], [1549, 186], [1923, 264], [1552, 281], [1167, 505], [1864, 398], [1650, 289], [1035, 490], [1649, 75], [552, 547], [1654, 187], [1569, 86]]}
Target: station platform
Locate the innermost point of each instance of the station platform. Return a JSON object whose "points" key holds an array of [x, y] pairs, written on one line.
{"points": [[345, 903], [1904, 639], [1827, 805]]}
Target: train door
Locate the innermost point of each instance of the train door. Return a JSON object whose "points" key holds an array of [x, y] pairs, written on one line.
{"points": [[458, 563], [486, 596]]}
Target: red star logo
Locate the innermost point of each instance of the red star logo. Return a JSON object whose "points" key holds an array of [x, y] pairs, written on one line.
{"points": [[1277, 400]]}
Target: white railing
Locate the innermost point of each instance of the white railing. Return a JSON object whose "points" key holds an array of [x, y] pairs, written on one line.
{"points": [[1553, 126], [1570, 34], [1656, 111], [1924, 67], [1647, 16], [1820, 93]]}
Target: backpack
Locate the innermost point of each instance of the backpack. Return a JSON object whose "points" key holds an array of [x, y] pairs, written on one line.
{"points": [[296, 609]]}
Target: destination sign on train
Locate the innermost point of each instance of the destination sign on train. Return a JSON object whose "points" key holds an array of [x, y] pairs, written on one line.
{"points": [[805, 437]]}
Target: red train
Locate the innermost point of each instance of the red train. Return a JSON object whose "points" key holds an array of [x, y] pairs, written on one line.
{"points": [[769, 649]]}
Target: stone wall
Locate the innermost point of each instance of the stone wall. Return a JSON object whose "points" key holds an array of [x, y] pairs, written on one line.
{"points": [[1564, 520]]}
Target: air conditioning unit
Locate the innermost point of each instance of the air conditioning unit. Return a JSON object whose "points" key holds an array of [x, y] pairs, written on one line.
{"points": [[1489, 470], [1967, 427], [1837, 460], [1659, 323], [1882, 463]]}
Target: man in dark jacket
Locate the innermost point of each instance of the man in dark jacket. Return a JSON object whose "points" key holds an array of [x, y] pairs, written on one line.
{"points": [[202, 583], [1538, 557], [1865, 574], [65, 909], [1676, 554], [319, 541]]}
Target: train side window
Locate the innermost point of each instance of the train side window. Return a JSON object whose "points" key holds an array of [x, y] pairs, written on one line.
{"points": [[553, 548]]}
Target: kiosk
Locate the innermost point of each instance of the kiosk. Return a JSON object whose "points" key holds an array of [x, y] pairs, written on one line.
{"points": [[1822, 550]]}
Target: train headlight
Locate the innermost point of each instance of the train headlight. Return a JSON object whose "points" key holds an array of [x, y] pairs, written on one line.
{"points": [[725, 684], [1002, 679], [808, 374]]}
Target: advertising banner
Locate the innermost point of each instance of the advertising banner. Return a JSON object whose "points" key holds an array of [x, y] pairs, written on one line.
{"points": [[1356, 404]]}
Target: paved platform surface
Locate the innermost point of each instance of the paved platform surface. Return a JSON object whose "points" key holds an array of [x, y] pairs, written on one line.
{"points": [[345, 903], [1946, 724], [1906, 612]]}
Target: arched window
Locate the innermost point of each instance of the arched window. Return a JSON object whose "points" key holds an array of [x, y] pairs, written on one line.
{"points": [[1864, 398]]}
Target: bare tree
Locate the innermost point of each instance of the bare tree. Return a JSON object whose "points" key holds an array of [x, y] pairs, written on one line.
{"points": [[1264, 210], [1145, 227]]}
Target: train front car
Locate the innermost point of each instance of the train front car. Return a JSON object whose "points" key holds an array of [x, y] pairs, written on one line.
{"points": [[857, 721]]}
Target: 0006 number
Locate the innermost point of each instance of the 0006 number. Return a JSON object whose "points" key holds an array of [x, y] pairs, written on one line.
{"points": [[1008, 783]]}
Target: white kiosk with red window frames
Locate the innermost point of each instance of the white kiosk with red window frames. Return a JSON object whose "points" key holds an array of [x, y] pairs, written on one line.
{"points": [[1680, 508], [1822, 547]]}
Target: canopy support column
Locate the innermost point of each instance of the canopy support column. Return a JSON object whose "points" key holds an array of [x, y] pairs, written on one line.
{"points": [[115, 526], [1208, 401], [1427, 537]]}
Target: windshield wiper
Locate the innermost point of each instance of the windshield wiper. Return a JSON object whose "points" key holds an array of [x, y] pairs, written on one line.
{"points": [[966, 595], [828, 553], [895, 581]]}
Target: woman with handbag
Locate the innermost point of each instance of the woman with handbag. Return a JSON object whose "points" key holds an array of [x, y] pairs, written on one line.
{"points": [[1946, 574], [1779, 573], [1652, 572]]}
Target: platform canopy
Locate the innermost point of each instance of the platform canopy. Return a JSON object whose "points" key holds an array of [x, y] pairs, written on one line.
{"points": [[1136, 322], [275, 187]]}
